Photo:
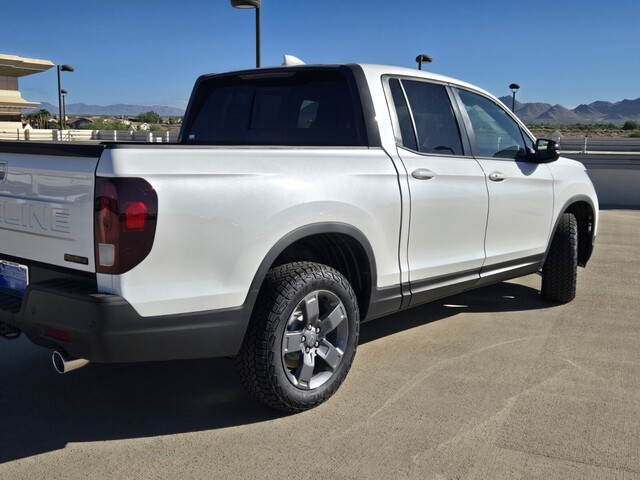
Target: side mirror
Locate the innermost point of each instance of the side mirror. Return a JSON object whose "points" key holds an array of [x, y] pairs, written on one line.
{"points": [[546, 151]]}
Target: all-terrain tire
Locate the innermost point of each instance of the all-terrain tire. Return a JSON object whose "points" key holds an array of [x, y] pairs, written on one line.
{"points": [[560, 270], [302, 337]]}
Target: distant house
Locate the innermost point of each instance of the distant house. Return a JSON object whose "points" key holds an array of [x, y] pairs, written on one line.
{"points": [[79, 123], [11, 102]]}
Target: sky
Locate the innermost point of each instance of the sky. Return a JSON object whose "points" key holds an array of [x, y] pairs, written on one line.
{"points": [[151, 52]]}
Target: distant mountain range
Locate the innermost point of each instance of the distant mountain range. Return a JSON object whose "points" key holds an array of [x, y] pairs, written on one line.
{"points": [[596, 112], [118, 110]]}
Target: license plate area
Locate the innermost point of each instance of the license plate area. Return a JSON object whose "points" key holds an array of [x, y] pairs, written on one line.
{"points": [[14, 278]]}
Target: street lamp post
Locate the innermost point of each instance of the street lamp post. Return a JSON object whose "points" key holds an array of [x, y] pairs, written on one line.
{"points": [[61, 68], [63, 92], [423, 58], [247, 4], [514, 88]]}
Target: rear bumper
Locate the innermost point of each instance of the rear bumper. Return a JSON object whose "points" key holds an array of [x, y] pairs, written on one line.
{"points": [[106, 328]]}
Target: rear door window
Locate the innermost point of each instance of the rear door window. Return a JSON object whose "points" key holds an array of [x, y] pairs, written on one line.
{"points": [[434, 124]]}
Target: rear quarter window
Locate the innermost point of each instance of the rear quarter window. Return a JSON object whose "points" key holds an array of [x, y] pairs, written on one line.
{"points": [[305, 108]]}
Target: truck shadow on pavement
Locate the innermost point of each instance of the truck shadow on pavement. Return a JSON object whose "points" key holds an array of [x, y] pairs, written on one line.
{"points": [[501, 297], [43, 411]]}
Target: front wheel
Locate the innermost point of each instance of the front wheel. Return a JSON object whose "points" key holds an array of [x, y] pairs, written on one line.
{"points": [[302, 337], [560, 270]]}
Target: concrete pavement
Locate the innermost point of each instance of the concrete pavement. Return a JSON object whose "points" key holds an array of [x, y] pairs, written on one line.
{"points": [[491, 384]]}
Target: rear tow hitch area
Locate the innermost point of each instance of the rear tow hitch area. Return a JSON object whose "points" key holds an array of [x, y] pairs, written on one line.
{"points": [[9, 332]]}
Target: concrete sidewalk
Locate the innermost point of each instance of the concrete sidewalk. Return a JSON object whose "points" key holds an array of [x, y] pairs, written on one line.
{"points": [[491, 384]]}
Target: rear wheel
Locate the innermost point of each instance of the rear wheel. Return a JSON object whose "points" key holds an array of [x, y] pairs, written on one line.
{"points": [[560, 270], [302, 338]]}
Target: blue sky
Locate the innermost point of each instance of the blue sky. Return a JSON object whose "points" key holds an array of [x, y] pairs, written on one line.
{"points": [[146, 53]]}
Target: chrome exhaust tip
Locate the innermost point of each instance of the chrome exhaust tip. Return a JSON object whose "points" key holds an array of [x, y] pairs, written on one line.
{"points": [[63, 363]]}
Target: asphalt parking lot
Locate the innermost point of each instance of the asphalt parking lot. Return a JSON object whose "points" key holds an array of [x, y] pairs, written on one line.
{"points": [[491, 384]]}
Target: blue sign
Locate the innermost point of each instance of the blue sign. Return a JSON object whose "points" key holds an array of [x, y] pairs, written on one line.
{"points": [[14, 277]]}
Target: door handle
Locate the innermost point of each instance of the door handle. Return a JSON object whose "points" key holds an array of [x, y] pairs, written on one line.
{"points": [[422, 174], [497, 176]]}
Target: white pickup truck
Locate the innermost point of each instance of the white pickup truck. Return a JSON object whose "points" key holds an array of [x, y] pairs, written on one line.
{"points": [[298, 202]]}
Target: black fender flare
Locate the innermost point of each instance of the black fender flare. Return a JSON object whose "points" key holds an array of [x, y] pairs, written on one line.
{"points": [[567, 204], [298, 234]]}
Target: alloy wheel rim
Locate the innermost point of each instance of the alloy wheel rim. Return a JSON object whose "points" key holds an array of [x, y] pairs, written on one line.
{"points": [[314, 340]]}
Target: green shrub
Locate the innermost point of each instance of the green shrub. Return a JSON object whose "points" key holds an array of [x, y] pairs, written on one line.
{"points": [[631, 125], [149, 117], [105, 125]]}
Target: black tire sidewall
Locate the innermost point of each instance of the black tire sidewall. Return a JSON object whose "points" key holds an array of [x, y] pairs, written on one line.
{"points": [[559, 274]]}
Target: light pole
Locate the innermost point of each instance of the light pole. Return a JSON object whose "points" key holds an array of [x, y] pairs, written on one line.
{"points": [[423, 58], [63, 92], [514, 88], [61, 68], [247, 4]]}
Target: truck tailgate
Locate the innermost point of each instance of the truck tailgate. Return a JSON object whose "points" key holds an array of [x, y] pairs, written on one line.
{"points": [[47, 203]]}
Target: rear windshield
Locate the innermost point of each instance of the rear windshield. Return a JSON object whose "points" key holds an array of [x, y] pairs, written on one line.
{"points": [[306, 108]]}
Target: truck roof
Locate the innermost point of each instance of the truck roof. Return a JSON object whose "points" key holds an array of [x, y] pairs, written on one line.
{"points": [[371, 70]]}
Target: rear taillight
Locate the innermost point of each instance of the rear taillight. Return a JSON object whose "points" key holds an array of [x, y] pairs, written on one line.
{"points": [[126, 210]]}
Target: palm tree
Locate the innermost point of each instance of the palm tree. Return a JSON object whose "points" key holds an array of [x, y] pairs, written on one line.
{"points": [[38, 119]]}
